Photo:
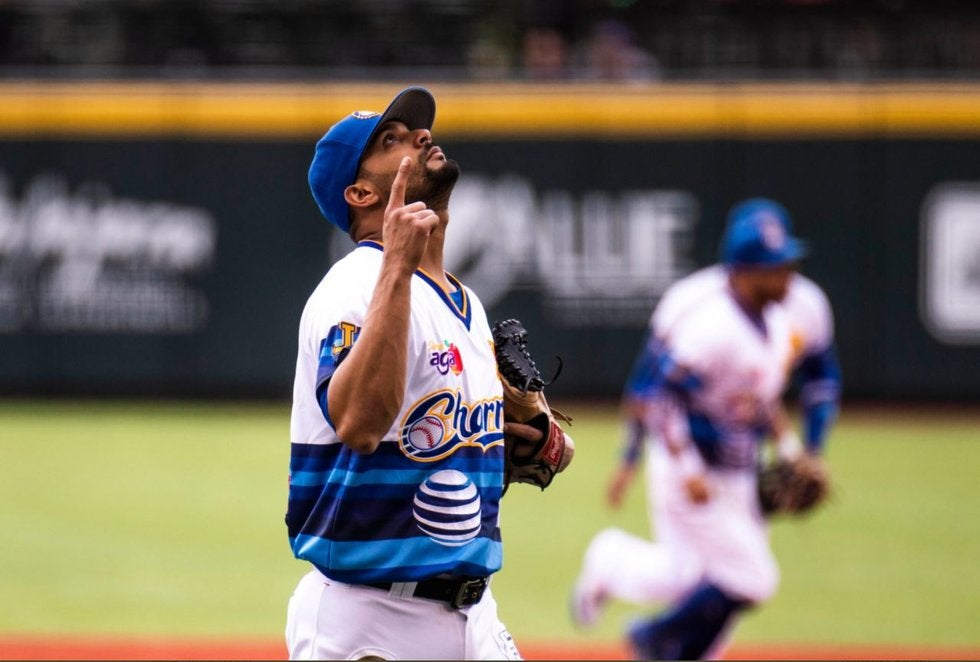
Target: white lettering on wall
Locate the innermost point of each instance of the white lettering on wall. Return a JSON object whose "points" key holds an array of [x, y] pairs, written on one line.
{"points": [[950, 269], [599, 258], [88, 261]]}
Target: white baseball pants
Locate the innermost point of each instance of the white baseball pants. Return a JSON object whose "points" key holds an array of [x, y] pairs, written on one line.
{"points": [[329, 620], [724, 541]]}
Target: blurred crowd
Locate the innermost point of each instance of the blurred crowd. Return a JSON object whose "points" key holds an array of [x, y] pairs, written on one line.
{"points": [[627, 40]]}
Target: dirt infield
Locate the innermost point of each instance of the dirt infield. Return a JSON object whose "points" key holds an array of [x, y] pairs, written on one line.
{"points": [[61, 647]]}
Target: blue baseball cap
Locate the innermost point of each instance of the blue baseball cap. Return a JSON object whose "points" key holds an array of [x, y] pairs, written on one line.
{"points": [[338, 153], [759, 234]]}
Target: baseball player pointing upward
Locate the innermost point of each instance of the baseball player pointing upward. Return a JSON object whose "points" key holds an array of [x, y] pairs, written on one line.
{"points": [[397, 429]]}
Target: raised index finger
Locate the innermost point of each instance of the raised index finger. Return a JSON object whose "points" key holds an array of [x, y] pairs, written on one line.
{"points": [[397, 197]]}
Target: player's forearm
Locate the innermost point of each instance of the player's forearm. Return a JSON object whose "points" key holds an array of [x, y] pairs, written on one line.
{"points": [[367, 391], [820, 395], [819, 417], [643, 373], [633, 442]]}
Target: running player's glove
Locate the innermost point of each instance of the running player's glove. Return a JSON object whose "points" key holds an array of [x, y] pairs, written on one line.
{"points": [[528, 461], [794, 486]]}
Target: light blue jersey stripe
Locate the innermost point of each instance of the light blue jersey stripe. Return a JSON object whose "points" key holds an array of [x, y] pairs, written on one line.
{"points": [[379, 477], [381, 555]]}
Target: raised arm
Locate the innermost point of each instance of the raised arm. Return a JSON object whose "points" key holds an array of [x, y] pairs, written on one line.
{"points": [[367, 389]]}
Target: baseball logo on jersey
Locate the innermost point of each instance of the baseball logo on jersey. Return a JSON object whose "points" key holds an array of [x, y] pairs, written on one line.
{"points": [[439, 422], [426, 433], [445, 357], [447, 508]]}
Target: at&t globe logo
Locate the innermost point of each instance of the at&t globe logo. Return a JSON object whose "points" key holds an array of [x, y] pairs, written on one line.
{"points": [[447, 508]]}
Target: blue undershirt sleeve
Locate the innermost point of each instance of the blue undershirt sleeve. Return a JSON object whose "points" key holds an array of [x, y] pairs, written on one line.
{"points": [[820, 390]]}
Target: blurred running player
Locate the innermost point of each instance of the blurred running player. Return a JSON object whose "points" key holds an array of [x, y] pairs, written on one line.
{"points": [[705, 391]]}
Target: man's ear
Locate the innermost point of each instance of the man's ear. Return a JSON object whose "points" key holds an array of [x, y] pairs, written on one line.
{"points": [[362, 194]]}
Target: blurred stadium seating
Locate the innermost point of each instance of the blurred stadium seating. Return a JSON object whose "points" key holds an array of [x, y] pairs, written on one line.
{"points": [[503, 39]]}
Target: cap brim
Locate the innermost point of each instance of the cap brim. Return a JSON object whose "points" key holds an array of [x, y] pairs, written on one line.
{"points": [[415, 107], [795, 250]]}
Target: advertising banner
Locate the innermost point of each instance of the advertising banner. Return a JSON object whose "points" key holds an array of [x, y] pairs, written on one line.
{"points": [[165, 262]]}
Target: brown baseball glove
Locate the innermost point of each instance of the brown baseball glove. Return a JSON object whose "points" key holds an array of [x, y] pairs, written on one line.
{"points": [[536, 448], [794, 486]]}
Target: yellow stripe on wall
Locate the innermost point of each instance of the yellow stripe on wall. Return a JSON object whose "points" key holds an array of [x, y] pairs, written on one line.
{"points": [[35, 109]]}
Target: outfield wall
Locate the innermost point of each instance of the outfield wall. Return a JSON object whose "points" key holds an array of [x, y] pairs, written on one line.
{"points": [[160, 238]]}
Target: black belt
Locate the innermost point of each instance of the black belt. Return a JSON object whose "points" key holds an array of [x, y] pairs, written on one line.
{"points": [[457, 591]]}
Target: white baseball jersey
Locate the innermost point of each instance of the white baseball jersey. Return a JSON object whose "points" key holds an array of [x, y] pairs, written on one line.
{"points": [[738, 364], [812, 326], [426, 501], [810, 315]]}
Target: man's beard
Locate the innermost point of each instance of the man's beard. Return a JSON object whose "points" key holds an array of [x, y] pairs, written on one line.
{"points": [[433, 186]]}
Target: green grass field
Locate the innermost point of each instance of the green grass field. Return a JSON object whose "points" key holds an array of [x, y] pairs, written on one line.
{"points": [[140, 518]]}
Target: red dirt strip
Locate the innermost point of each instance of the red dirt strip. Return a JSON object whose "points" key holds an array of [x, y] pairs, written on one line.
{"points": [[90, 647]]}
